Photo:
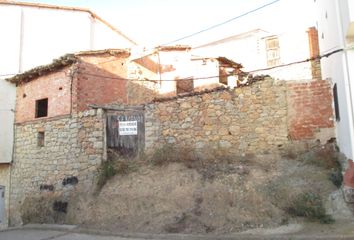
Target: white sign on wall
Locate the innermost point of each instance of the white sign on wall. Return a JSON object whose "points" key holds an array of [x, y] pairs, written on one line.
{"points": [[128, 128]]}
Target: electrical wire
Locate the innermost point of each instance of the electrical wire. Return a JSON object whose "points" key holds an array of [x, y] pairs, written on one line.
{"points": [[215, 76], [150, 80], [298, 62], [8, 74], [222, 23], [216, 25]]}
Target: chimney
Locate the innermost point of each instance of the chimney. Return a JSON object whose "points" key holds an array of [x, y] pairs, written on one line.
{"points": [[314, 53]]}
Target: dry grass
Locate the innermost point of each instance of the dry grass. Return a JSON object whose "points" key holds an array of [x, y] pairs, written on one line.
{"points": [[327, 157], [241, 192], [40, 209], [209, 163]]}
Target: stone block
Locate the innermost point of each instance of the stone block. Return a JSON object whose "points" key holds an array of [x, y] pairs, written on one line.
{"points": [[224, 144]]}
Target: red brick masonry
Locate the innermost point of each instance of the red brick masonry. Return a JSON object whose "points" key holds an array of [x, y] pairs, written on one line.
{"points": [[310, 108], [349, 175]]}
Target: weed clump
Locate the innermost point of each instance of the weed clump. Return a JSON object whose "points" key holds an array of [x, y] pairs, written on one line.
{"points": [[336, 177], [209, 163], [107, 171], [325, 156], [170, 154], [310, 206]]}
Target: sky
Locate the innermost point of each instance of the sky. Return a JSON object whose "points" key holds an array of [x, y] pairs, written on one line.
{"points": [[158, 22]]}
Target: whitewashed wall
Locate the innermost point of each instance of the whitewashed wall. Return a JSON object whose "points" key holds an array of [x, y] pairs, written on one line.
{"points": [[250, 51], [334, 20], [32, 36]]}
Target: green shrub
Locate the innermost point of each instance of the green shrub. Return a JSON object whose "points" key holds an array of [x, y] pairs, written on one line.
{"points": [[107, 171], [323, 156], [309, 205], [336, 177]]}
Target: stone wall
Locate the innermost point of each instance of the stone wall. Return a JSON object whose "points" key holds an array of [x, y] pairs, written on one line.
{"points": [[249, 119], [66, 163]]}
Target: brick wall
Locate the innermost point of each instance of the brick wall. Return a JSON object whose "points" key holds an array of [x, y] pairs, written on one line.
{"points": [[93, 80], [54, 86], [97, 81], [310, 109]]}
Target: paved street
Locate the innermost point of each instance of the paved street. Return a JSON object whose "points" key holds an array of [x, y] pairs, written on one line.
{"points": [[36, 234], [66, 232]]}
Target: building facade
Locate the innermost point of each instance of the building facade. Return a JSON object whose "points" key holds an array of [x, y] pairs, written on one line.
{"points": [[259, 51], [34, 34], [336, 31], [177, 71], [57, 135]]}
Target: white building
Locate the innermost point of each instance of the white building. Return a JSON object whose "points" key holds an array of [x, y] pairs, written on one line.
{"points": [[32, 35], [336, 32], [258, 49]]}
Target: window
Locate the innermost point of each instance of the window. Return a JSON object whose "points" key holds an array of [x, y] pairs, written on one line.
{"points": [[336, 104], [40, 139], [272, 50], [41, 108], [184, 85]]}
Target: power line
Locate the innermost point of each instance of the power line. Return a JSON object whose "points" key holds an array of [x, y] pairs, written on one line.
{"points": [[215, 76], [151, 80], [6, 110], [222, 23], [204, 30], [298, 62], [8, 74]]}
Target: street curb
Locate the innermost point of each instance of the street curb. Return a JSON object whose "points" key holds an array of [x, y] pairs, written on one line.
{"points": [[236, 236], [81, 230], [10, 229], [62, 227]]}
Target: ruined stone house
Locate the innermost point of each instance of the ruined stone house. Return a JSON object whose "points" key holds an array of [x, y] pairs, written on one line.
{"points": [[57, 134], [69, 112]]}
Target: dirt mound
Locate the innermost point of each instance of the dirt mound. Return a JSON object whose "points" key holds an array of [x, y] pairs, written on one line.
{"points": [[181, 193], [174, 198], [237, 196]]}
